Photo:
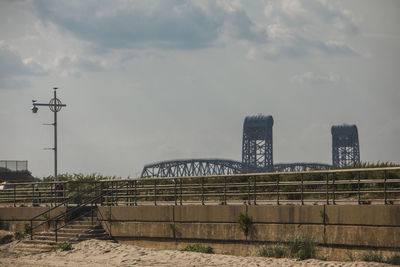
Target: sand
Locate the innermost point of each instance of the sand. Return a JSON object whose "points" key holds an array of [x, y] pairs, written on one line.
{"points": [[107, 253]]}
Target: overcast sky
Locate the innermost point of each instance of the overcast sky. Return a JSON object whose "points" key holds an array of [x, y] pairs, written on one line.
{"points": [[146, 81]]}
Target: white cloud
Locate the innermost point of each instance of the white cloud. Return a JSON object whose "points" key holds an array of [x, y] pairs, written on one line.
{"points": [[149, 24], [317, 78], [306, 28], [14, 70]]}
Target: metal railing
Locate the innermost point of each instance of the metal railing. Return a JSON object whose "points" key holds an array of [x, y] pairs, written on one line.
{"points": [[357, 186]]}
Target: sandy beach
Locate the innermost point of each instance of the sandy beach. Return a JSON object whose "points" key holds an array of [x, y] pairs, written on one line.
{"points": [[107, 253]]}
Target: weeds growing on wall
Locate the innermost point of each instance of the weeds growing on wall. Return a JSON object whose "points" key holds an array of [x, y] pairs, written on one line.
{"points": [[245, 223], [300, 247], [199, 248]]}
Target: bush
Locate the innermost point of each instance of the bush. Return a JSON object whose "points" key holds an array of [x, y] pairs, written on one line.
{"points": [[275, 251], [394, 260], [6, 239], [199, 248], [244, 222], [19, 235], [65, 246], [372, 257], [302, 247]]}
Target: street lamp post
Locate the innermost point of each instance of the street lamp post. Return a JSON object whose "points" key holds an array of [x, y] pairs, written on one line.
{"points": [[55, 106]]}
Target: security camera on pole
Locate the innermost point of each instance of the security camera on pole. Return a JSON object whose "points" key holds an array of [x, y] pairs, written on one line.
{"points": [[55, 106]]}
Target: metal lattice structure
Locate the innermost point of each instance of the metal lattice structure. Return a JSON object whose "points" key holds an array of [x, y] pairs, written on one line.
{"points": [[256, 154], [192, 167], [345, 146], [257, 142], [300, 167]]}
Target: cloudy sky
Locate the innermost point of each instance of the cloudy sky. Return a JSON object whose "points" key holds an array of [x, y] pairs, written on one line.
{"points": [[152, 80]]}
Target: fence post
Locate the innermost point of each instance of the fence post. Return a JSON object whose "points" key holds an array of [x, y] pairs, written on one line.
{"points": [[33, 194], [101, 193], [135, 197], [127, 194], [327, 189], [155, 192], [175, 197], [15, 196], [255, 190], [277, 189], [359, 194], [384, 187], [224, 191], [333, 189], [202, 191], [181, 191], [248, 191], [302, 189]]}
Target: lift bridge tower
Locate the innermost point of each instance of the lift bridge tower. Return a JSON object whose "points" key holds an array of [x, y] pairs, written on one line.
{"points": [[345, 146], [257, 143]]}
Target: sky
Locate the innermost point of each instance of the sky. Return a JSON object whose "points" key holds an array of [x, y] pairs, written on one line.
{"points": [[146, 81]]}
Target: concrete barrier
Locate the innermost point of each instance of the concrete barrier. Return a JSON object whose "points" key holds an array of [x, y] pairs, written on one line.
{"points": [[26, 213], [286, 214], [379, 215], [353, 227], [226, 214]]}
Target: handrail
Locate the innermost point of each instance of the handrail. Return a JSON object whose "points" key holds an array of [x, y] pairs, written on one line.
{"points": [[90, 201], [80, 205], [57, 206], [68, 199]]}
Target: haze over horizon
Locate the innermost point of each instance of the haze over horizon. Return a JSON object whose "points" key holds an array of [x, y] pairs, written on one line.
{"points": [[146, 81]]}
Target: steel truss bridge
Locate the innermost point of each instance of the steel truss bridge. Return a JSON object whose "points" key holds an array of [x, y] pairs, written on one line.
{"points": [[201, 167], [257, 154]]}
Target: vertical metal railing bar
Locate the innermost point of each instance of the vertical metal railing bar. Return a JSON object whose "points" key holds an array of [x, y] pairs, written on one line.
{"points": [[15, 204], [135, 193], [102, 193], [155, 192], [302, 189], [127, 199], [333, 189], [33, 193], [224, 191], [202, 190], [358, 188], [384, 188], [175, 191], [277, 189], [327, 189], [255, 190], [248, 191], [181, 191]]}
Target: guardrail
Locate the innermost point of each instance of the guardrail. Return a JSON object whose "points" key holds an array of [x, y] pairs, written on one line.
{"points": [[357, 186]]}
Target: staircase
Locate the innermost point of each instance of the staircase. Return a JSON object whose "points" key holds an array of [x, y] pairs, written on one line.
{"points": [[82, 229]]}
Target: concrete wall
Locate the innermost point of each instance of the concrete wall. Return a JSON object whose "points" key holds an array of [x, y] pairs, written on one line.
{"points": [[333, 227], [14, 219], [353, 226]]}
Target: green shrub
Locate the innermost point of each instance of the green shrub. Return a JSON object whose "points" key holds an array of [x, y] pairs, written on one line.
{"points": [[65, 246], [302, 247], [19, 235], [372, 257], [275, 251], [6, 239], [199, 248], [394, 260], [244, 222], [27, 228]]}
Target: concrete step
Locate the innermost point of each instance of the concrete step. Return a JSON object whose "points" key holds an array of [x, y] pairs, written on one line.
{"points": [[40, 242]]}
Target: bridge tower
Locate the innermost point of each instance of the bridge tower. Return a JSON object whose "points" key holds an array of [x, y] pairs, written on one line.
{"points": [[345, 146], [257, 143]]}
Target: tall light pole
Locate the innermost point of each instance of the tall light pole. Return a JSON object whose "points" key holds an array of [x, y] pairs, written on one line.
{"points": [[55, 106]]}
